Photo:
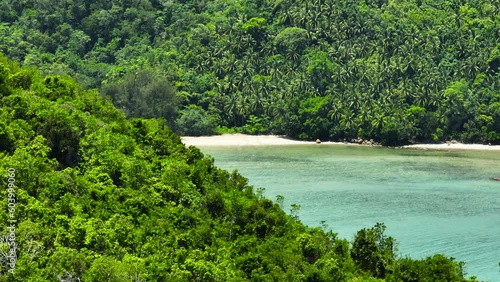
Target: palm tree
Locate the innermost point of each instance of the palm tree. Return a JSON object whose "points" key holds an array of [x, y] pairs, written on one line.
{"points": [[230, 107], [336, 111], [365, 116], [231, 85], [301, 83], [267, 50], [379, 120], [243, 107], [240, 78], [328, 8], [286, 17], [275, 73], [293, 55], [300, 17], [257, 103], [348, 121], [221, 86], [229, 63]]}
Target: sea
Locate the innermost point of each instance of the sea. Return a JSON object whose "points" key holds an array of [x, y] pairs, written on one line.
{"points": [[431, 201]]}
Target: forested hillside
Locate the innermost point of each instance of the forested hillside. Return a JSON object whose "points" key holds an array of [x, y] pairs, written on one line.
{"points": [[395, 71], [101, 198]]}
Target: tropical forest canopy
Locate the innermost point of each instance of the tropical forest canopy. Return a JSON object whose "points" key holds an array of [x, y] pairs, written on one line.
{"points": [[395, 71], [99, 197], [103, 194]]}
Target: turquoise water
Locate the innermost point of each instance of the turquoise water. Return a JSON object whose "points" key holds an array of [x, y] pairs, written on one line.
{"points": [[431, 202]]}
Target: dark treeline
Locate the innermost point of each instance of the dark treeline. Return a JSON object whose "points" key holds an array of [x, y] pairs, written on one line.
{"points": [[102, 198], [394, 71]]}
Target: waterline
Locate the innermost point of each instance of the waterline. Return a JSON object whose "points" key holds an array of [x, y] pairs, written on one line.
{"points": [[431, 202]]}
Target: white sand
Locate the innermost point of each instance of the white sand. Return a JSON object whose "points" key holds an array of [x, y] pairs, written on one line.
{"points": [[456, 146], [266, 140], [244, 140]]}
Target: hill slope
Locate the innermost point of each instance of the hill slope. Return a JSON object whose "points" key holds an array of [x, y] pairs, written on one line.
{"points": [[98, 197], [394, 71]]}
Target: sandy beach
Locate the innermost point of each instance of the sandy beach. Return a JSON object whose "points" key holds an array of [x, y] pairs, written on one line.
{"points": [[456, 146], [244, 140], [267, 140]]}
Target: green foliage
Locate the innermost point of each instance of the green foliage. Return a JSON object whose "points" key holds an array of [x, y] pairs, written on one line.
{"points": [[494, 59], [256, 27], [320, 70], [373, 60], [194, 121], [6, 138], [103, 198], [292, 40], [225, 129], [313, 118], [256, 125], [435, 268], [144, 94], [373, 251]]}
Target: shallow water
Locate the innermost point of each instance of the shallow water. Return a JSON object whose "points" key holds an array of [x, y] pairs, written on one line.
{"points": [[431, 202]]}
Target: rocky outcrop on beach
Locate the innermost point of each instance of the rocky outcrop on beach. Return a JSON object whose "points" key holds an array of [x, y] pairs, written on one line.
{"points": [[362, 141]]}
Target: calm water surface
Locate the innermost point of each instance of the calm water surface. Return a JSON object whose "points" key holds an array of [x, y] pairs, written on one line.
{"points": [[431, 202]]}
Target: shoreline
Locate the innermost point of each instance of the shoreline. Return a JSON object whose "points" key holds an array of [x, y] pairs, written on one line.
{"points": [[456, 146], [239, 139]]}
